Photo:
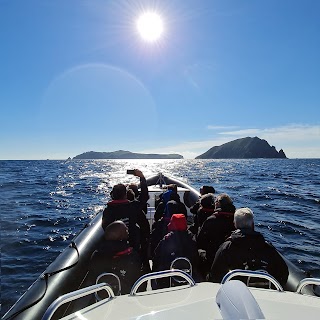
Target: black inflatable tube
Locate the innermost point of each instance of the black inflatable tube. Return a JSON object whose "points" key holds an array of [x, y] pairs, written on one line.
{"points": [[62, 282]]}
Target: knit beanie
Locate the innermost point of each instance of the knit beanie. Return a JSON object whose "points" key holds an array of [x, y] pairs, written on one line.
{"points": [[178, 222]]}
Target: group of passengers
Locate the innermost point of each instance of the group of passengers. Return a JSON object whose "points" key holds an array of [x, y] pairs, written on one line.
{"points": [[220, 239]]}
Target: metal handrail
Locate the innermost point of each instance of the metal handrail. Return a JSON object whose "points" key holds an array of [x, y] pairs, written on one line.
{"points": [[250, 273], [108, 274], [307, 281], [177, 260], [68, 297], [161, 274]]}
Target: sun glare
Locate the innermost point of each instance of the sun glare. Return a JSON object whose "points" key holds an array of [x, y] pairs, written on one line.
{"points": [[150, 26]]}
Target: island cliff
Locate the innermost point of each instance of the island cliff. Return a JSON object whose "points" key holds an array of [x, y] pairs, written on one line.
{"points": [[244, 148], [121, 154]]}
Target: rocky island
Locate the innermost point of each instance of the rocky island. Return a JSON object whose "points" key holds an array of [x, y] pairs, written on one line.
{"points": [[244, 148], [122, 154]]}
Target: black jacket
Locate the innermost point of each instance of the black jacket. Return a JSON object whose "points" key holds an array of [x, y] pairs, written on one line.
{"points": [[202, 215], [194, 209], [118, 258], [214, 231], [131, 214], [175, 244], [247, 249]]}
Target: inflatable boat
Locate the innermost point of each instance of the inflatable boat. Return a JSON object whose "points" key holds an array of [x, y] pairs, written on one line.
{"points": [[60, 291]]}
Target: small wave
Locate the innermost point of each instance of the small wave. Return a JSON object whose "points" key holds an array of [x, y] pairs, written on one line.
{"points": [[61, 193]]}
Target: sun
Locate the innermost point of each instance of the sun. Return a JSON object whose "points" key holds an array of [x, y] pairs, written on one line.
{"points": [[150, 26]]}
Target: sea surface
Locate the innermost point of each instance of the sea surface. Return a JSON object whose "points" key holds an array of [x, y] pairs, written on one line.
{"points": [[44, 204]]}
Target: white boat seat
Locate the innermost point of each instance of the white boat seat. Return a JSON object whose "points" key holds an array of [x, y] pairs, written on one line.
{"points": [[235, 301]]}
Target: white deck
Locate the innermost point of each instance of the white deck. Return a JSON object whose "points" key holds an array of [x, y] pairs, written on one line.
{"points": [[198, 302]]}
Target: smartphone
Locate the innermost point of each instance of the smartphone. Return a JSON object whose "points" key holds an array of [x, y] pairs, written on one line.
{"points": [[130, 171]]}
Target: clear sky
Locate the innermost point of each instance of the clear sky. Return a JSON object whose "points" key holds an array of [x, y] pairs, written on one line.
{"points": [[79, 76]]}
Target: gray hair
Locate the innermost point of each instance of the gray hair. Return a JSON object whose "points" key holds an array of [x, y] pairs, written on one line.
{"points": [[243, 218]]}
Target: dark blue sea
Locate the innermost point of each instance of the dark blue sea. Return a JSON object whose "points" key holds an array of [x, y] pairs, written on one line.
{"points": [[43, 205]]}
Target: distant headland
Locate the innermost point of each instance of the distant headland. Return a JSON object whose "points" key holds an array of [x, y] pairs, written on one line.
{"points": [[122, 154], [244, 148]]}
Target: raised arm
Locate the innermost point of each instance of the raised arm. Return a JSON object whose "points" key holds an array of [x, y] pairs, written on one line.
{"points": [[144, 194]]}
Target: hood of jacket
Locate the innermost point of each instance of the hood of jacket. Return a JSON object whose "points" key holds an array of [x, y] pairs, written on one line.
{"points": [[240, 235]]}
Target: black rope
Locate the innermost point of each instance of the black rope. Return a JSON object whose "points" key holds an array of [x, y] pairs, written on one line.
{"points": [[74, 246], [46, 276]]}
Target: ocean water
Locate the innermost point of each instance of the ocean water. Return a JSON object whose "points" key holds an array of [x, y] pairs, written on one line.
{"points": [[44, 204]]}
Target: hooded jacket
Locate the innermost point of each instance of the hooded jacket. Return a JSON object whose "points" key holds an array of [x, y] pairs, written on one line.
{"points": [[247, 249], [214, 231]]}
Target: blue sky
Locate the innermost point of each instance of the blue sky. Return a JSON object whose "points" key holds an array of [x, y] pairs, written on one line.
{"points": [[76, 76]]}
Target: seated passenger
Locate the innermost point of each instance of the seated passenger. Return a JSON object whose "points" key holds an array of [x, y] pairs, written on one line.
{"points": [[159, 228], [130, 212], [203, 190], [177, 243], [247, 249], [214, 231], [206, 209], [169, 197], [170, 187], [114, 255]]}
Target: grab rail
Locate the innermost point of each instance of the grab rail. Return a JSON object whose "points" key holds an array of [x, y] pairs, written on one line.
{"points": [[111, 275], [161, 274], [173, 266], [68, 297], [250, 273], [307, 281]]}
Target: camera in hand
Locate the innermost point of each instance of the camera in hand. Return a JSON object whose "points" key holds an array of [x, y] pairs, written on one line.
{"points": [[130, 171]]}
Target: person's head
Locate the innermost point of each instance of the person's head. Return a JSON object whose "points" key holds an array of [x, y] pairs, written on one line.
{"points": [[243, 219], [172, 187], [130, 195], [178, 222], [116, 230], [224, 203], [207, 189], [173, 207], [134, 188], [119, 192], [207, 200]]}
